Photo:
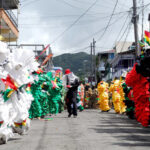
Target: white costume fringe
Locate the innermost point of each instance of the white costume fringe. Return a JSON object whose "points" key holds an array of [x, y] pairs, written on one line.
{"points": [[14, 112]]}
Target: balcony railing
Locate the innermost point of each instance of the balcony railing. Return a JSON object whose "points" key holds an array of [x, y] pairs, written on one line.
{"points": [[12, 17], [9, 12]]}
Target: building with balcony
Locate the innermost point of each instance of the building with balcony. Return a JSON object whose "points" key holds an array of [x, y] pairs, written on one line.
{"points": [[8, 20], [104, 67], [124, 58]]}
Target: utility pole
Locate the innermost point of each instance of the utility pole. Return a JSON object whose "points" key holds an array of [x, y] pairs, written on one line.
{"points": [[149, 21], [135, 20], [142, 19], [91, 62], [94, 61]]}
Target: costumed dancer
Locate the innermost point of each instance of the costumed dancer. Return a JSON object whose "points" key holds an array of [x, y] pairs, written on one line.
{"points": [[139, 79], [122, 94], [19, 67], [5, 123], [116, 97], [43, 79], [129, 99], [15, 97], [71, 83], [36, 90], [47, 94], [88, 94], [93, 98], [56, 95], [58, 74], [80, 98], [103, 96], [95, 95]]}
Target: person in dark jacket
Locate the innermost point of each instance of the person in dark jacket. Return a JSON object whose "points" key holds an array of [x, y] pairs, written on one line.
{"points": [[72, 83]]}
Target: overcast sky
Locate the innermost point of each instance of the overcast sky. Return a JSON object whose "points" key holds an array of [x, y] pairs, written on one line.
{"points": [[48, 22]]}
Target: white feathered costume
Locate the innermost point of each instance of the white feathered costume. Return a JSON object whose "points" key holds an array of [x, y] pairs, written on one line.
{"points": [[16, 67]]}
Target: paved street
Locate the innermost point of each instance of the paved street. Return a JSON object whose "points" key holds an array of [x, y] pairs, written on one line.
{"points": [[92, 130]]}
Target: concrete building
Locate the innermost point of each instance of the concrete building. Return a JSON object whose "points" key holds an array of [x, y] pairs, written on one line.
{"points": [[104, 67], [124, 58], [8, 20]]}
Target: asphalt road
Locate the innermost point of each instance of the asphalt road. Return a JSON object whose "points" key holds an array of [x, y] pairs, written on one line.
{"points": [[91, 130]]}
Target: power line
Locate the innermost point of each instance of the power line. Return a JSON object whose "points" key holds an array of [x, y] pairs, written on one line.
{"points": [[124, 23], [124, 32], [59, 16], [91, 36], [85, 21], [108, 21], [102, 29], [60, 35], [71, 5], [120, 3], [90, 3], [129, 28], [27, 4], [143, 7], [97, 4], [120, 30], [68, 4]]}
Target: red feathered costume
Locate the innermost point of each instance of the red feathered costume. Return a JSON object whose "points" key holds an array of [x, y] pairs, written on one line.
{"points": [[141, 94]]}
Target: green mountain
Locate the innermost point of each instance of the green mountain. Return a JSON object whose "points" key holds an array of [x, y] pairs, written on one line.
{"points": [[79, 63]]}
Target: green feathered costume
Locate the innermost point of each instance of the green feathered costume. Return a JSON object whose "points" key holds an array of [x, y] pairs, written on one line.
{"points": [[55, 96], [39, 106], [129, 101], [47, 93]]}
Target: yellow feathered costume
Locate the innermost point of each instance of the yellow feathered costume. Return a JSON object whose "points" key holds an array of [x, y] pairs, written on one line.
{"points": [[122, 94], [117, 96], [103, 96]]}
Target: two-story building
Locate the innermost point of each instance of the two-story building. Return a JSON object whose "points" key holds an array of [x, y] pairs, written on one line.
{"points": [[124, 58], [8, 20], [104, 67]]}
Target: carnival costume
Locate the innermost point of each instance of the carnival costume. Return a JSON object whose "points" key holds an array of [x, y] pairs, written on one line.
{"points": [[80, 98], [15, 99], [138, 79], [39, 97], [103, 96], [117, 96], [88, 94], [55, 96], [122, 94], [129, 101]]}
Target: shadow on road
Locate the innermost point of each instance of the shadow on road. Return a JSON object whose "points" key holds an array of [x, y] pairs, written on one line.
{"points": [[14, 139], [127, 132], [42, 136]]}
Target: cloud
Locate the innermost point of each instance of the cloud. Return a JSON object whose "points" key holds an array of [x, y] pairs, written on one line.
{"points": [[42, 21]]}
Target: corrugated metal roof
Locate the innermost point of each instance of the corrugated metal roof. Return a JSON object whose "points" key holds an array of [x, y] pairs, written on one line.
{"points": [[107, 52], [123, 46]]}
